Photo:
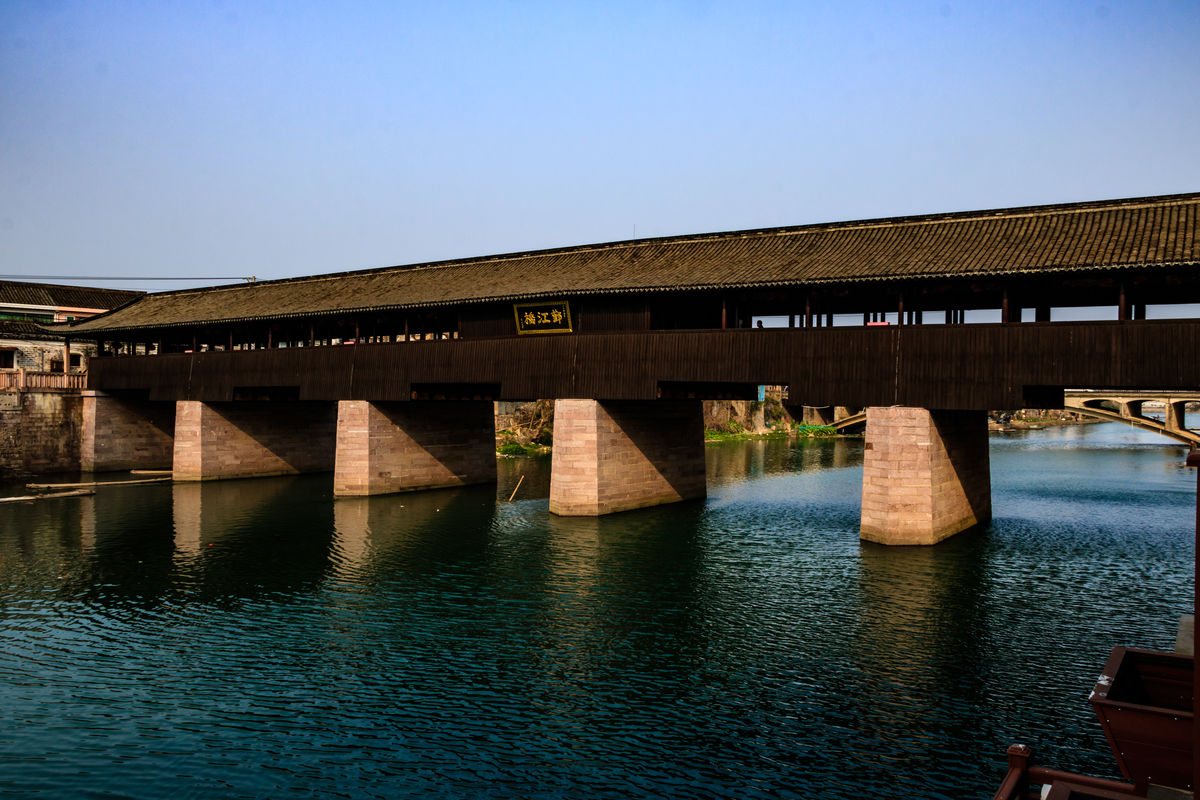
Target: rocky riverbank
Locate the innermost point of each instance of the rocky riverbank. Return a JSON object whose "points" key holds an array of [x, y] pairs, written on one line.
{"points": [[1025, 419], [527, 429]]}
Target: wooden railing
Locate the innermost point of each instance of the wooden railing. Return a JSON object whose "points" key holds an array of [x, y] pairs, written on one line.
{"points": [[1022, 775], [23, 380]]}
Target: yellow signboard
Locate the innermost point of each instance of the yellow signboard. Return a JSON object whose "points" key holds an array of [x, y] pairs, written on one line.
{"points": [[552, 317]]}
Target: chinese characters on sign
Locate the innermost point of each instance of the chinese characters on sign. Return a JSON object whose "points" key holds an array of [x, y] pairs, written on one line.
{"points": [[554, 317]]}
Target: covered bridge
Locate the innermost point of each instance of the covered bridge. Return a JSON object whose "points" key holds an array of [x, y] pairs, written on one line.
{"points": [[946, 315]]}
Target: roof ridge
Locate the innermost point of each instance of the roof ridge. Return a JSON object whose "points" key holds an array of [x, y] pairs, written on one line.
{"points": [[72, 286], [1014, 212]]}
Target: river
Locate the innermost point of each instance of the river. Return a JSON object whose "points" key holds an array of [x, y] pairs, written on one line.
{"points": [[257, 638]]}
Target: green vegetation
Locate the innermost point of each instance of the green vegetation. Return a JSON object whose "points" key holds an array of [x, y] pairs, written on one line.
{"points": [[724, 433], [517, 449], [817, 431]]}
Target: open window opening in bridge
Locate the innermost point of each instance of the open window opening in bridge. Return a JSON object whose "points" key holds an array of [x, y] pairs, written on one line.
{"points": [[1072, 314], [1173, 311], [982, 316], [938, 316]]}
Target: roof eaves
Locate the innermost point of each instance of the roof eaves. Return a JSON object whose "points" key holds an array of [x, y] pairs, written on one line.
{"points": [[700, 287]]}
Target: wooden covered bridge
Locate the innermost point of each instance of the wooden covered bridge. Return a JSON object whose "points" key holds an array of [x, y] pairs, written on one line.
{"points": [[386, 376]]}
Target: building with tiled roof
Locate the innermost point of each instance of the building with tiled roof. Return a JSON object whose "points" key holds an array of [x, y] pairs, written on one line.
{"points": [[25, 307]]}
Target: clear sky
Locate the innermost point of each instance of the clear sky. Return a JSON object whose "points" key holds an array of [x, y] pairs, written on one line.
{"points": [[287, 138]]}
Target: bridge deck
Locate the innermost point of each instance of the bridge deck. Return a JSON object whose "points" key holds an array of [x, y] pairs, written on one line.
{"points": [[968, 367]]}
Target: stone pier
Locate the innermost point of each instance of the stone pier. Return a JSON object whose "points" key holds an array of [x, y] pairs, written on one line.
{"points": [[124, 433], [405, 446], [614, 456], [1174, 415], [251, 439], [925, 474]]}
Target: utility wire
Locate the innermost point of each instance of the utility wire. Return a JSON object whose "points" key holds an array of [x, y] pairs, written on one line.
{"points": [[250, 279]]}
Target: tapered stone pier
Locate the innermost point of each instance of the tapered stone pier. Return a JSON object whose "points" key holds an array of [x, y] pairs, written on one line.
{"points": [[925, 475], [252, 439], [124, 433], [406, 446], [619, 455]]}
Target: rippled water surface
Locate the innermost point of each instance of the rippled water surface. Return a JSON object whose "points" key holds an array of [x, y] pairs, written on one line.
{"points": [[260, 639]]}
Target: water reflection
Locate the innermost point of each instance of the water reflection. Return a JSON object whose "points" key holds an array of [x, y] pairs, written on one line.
{"points": [[247, 538], [260, 638], [414, 532], [601, 573], [920, 638], [736, 461]]}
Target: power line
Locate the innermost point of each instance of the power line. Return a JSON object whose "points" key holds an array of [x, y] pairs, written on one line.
{"points": [[248, 279]]}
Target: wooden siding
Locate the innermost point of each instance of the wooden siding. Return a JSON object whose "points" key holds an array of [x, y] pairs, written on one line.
{"points": [[971, 366], [486, 322], [611, 314]]}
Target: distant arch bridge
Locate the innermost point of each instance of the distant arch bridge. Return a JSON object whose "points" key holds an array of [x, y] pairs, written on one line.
{"points": [[1113, 406], [1127, 406]]}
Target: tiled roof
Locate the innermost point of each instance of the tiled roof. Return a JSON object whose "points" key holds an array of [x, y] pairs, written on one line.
{"points": [[1139, 232], [19, 329], [57, 296]]}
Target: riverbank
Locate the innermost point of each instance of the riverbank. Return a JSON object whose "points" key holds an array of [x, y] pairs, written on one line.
{"points": [[1031, 419], [527, 429]]}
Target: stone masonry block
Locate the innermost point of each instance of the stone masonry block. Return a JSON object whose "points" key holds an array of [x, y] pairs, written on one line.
{"points": [[249, 439], [925, 475], [406, 446], [643, 453]]}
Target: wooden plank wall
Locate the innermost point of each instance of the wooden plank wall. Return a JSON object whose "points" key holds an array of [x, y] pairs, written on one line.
{"points": [[960, 366]]}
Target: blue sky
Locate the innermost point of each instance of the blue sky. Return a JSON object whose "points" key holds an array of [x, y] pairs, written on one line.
{"points": [[198, 140]]}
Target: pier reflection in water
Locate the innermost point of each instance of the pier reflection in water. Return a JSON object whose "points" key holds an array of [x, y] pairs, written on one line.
{"points": [[259, 638]]}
